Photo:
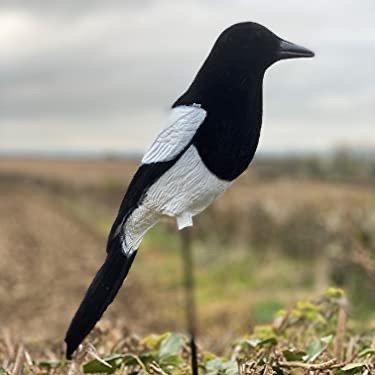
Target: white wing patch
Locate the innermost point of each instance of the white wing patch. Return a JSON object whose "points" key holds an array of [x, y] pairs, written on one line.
{"points": [[182, 124]]}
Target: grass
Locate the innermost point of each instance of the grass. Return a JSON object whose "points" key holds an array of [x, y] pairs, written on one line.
{"points": [[265, 245], [237, 277]]}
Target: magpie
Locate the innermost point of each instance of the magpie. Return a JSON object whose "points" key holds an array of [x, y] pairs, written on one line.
{"points": [[210, 138]]}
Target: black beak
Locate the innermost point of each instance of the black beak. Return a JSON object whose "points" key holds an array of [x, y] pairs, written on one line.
{"points": [[288, 50]]}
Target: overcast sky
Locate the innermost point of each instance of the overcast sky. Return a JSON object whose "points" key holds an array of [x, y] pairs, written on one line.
{"points": [[99, 76]]}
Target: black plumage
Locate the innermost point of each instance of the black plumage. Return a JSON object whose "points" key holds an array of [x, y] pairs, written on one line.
{"points": [[213, 136]]}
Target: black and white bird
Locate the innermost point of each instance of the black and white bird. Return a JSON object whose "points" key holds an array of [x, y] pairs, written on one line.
{"points": [[210, 138]]}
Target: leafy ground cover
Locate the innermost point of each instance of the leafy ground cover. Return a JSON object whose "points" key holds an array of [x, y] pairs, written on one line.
{"points": [[313, 337]]}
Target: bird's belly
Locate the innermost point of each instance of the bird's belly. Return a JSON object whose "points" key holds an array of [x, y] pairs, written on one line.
{"points": [[185, 189]]}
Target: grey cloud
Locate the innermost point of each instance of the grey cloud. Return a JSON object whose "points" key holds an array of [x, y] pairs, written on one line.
{"points": [[105, 72]]}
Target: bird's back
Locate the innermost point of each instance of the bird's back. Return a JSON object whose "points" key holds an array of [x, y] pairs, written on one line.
{"points": [[229, 136]]}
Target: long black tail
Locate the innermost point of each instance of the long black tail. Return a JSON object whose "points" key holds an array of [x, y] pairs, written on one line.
{"points": [[99, 296]]}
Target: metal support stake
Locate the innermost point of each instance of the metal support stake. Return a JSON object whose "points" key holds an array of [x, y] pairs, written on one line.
{"points": [[188, 265]]}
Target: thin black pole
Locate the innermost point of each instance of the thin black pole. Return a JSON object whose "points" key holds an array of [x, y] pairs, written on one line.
{"points": [[187, 257]]}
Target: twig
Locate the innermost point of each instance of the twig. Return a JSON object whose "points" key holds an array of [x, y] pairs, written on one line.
{"points": [[281, 324], [156, 368], [92, 351], [332, 363], [260, 354], [267, 369], [19, 362], [246, 367]]}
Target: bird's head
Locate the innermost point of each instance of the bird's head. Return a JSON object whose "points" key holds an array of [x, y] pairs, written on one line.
{"points": [[237, 63], [252, 46]]}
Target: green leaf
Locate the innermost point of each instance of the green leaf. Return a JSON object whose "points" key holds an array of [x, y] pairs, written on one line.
{"points": [[143, 359], [253, 342], [270, 341], [230, 368], [49, 364], [352, 368], [170, 346], [264, 332], [3, 371], [365, 352], [153, 341], [107, 365], [316, 348], [294, 355], [313, 351], [207, 356], [309, 311], [219, 366], [257, 342], [335, 293], [326, 339], [172, 360], [263, 335]]}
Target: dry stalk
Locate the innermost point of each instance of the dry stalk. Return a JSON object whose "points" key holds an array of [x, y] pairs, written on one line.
{"points": [[157, 369], [247, 368], [281, 324], [340, 332], [28, 358], [72, 368], [19, 362], [267, 369], [10, 347], [92, 351], [328, 365], [350, 350]]}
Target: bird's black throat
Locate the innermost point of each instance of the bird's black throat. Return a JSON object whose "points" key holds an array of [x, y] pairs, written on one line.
{"points": [[229, 136]]}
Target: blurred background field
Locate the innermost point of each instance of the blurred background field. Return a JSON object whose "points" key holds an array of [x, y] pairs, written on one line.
{"points": [[84, 88], [287, 230]]}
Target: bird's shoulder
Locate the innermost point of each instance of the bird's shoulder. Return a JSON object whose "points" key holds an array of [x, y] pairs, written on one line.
{"points": [[182, 124]]}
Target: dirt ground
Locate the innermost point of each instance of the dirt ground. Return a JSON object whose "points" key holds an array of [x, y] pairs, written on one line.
{"points": [[48, 255], [50, 249]]}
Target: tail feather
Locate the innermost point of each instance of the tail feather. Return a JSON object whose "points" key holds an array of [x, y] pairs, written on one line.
{"points": [[99, 296]]}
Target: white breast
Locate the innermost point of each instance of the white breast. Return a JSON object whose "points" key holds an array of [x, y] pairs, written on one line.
{"points": [[185, 190]]}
